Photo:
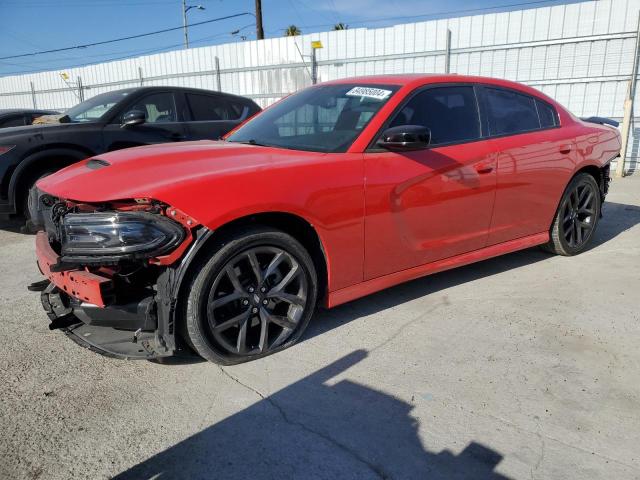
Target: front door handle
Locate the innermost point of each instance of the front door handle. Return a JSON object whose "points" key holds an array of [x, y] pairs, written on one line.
{"points": [[177, 136]]}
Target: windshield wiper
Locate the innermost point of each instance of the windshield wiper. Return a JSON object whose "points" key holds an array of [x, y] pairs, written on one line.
{"points": [[251, 141]]}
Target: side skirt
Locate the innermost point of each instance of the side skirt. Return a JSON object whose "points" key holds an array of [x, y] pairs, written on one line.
{"points": [[380, 283]]}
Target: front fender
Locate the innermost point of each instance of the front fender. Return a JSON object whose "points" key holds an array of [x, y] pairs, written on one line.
{"points": [[36, 162]]}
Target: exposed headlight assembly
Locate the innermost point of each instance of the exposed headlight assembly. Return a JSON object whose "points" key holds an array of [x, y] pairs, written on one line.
{"points": [[118, 234]]}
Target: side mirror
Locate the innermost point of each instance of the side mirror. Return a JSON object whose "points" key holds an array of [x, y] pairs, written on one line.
{"points": [[133, 117], [405, 138]]}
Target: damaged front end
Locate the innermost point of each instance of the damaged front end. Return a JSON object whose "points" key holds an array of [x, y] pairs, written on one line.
{"points": [[113, 272]]}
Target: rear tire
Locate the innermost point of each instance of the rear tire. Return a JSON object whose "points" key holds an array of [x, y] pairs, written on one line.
{"points": [[253, 297], [577, 216]]}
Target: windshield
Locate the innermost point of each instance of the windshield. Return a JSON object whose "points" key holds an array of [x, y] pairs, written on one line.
{"points": [[93, 109], [327, 118]]}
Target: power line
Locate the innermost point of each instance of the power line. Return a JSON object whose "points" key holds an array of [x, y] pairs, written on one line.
{"points": [[130, 37], [131, 54]]}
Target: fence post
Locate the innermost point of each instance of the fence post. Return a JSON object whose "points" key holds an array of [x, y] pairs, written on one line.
{"points": [[33, 95], [217, 60], [80, 89], [628, 107], [140, 76], [447, 53], [314, 66]]}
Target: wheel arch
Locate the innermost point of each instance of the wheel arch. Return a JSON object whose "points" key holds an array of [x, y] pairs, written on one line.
{"points": [[50, 157], [600, 175], [296, 226]]}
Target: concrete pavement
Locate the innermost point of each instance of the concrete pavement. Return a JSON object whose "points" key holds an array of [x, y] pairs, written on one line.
{"points": [[524, 366]]}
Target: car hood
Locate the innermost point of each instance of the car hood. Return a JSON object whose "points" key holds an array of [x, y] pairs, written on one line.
{"points": [[155, 171], [27, 130]]}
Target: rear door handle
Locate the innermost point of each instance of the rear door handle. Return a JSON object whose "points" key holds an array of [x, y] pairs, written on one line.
{"points": [[177, 136], [565, 150], [483, 169]]}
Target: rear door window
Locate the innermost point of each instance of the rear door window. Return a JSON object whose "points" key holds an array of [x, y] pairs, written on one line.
{"points": [[450, 113], [510, 112], [209, 107]]}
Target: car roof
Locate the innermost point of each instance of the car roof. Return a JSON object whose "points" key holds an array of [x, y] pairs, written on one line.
{"points": [[4, 111], [164, 88], [418, 79]]}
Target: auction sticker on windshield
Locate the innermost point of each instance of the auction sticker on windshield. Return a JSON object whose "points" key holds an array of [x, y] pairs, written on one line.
{"points": [[377, 93]]}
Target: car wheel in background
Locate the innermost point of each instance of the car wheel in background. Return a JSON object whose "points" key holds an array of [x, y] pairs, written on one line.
{"points": [[253, 297], [26, 198], [577, 216]]}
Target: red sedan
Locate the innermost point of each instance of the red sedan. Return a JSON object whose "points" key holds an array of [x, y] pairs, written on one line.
{"points": [[335, 192]]}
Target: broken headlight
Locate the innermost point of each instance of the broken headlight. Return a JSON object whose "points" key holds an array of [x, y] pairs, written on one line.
{"points": [[121, 234]]}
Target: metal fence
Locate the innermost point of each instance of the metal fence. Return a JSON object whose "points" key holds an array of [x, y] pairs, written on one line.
{"points": [[581, 54]]}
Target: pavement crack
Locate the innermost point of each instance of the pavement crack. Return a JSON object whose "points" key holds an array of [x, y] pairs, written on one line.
{"points": [[406, 325], [380, 473], [543, 436], [541, 456]]}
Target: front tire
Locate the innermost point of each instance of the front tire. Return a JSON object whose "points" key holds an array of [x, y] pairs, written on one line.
{"points": [[253, 297], [26, 198], [577, 216]]}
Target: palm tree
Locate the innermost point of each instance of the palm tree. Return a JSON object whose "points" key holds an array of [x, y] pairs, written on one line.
{"points": [[292, 31], [340, 26]]}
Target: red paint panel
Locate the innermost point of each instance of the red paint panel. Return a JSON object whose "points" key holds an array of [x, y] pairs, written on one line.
{"points": [[426, 205], [80, 284], [532, 174], [380, 283]]}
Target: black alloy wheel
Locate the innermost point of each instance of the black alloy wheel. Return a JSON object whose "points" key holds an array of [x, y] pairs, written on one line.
{"points": [[254, 297], [257, 301], [577, 216]]}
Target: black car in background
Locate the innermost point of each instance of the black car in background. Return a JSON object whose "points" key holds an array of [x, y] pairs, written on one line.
{"points": [[19, 117], [111, 121]]}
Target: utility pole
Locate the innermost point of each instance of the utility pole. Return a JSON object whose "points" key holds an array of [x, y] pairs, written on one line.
{"points": [[184, 23], [259, 29], [185, 9], [628, 107]]}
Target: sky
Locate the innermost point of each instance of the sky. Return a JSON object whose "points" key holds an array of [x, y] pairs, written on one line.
{"points": [[28, 26]]}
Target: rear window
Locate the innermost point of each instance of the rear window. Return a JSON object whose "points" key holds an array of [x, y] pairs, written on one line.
{"points": [[209, 107], [510, 112]]}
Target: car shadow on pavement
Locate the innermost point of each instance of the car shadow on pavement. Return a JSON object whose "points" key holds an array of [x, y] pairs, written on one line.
{"points": [[617, 218], [318, 427]]}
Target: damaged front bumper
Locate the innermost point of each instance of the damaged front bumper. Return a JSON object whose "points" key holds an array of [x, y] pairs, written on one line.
{"points": [[111, 311], [80, 303]]}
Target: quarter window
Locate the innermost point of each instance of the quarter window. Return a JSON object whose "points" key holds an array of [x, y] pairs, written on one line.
{"points": [[547, 114], [450, 113], [510, 112]]}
